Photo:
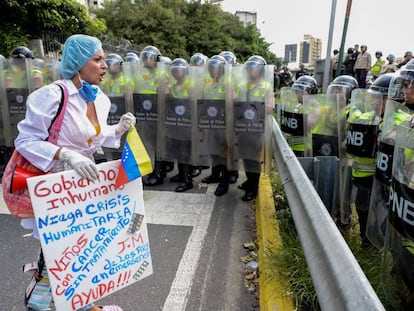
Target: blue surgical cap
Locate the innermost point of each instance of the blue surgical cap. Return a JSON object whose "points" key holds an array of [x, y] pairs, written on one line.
{"points": [[77, 51]]}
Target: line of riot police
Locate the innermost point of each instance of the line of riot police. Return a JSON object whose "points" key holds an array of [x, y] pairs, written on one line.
{"points": [[211, 112], [371, 132]]}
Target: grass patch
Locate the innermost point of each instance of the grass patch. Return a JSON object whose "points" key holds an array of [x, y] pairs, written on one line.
{"points": [[290, 263]]}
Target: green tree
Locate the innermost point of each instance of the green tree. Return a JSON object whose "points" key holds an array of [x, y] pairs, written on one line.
{"points": [[181, 28], [25, 20]]}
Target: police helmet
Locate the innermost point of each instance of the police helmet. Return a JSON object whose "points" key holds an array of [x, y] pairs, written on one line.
{"points": [[406, 75], [343, 83], [114, 59], [150, 52], [378, 53], [22, 52], [407, 71], [255, 62], [165, 60], [198, 59], [131, 57], [395, 88], [179, 67], [114, 62], [381, 84], [305, 84], [229, 57], [216, 65], [364, 46]]}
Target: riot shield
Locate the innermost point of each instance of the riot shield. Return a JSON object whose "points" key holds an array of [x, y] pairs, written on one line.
{"points": [[16, 82], [400, 236], [117, 86], [252, 110], [291, 120], [322, 125], [363, 123], [176, 117], [50, 70], [362, 127], [145, 104], [395, 114], [211, 143]]}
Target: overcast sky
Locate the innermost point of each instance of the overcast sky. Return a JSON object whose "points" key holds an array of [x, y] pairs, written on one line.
{"points": [[381, 25]]}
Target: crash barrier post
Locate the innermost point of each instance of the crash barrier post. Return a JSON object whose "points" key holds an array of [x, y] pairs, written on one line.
{"points": [[323, 172]]}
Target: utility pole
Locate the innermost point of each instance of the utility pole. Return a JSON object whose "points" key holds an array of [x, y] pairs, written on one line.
{"points": [[327, 69], [341, 51]]}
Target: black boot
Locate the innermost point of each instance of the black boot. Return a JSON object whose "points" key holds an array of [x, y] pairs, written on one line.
{"points": [[153, 179], [233, 176], [223, 186], [185, 170], [214, 177]]}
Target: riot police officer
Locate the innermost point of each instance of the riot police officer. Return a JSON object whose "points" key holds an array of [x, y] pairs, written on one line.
{"points": [[292, 111], [114, 83], [394, 114], [178, 123], [212, 110], [253, 100], [229, 57], [343, 84], [363, 121], [147, 81], [131, 57], [401, 233], [198, 59], [20, 70]]}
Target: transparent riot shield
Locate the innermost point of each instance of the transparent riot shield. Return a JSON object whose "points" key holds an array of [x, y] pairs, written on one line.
{"points": [[395, 114], [176, 116], [16, 82], [322, 125], [400, 236], [253, 108], [117, 86], [146, 102], [5, 127], [363, 123], [291, 120], [211, 141], [362, 128], [50, 70]]}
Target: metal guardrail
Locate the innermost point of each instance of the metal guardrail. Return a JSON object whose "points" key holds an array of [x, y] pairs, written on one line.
{"points": [[339, 281]]}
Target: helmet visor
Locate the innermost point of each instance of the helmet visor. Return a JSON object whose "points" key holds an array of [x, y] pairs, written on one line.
{"points": [[147, 55]]}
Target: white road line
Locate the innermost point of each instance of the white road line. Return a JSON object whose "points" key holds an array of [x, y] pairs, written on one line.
{"points": [[182, 209]]}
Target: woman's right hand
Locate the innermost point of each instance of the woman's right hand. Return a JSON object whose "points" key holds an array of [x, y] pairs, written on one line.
{"points": [[84, 166]]}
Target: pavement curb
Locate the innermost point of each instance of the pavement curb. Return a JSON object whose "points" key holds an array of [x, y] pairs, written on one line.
{"points": [[274, 295]]}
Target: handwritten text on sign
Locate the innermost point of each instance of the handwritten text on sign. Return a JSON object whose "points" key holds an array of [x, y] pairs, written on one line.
{"points": [[94, 237]]}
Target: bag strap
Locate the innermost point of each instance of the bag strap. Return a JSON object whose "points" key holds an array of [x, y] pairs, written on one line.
{"points": [[57, 121]]}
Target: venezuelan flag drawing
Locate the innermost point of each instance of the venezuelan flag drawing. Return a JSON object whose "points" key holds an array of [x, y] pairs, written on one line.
{"points": [[135, 161]]}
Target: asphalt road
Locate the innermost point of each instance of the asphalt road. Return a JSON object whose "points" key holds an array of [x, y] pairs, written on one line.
{"points": [[196, 242]]}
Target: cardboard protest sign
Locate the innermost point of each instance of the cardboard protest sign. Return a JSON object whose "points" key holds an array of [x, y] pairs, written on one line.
{"points": [[94, 236]]}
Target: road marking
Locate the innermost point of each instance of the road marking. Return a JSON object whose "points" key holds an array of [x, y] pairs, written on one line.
{"points": [[186, 209]]}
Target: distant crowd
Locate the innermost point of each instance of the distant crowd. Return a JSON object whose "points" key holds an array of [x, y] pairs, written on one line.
{"points": [[356, 62]]}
